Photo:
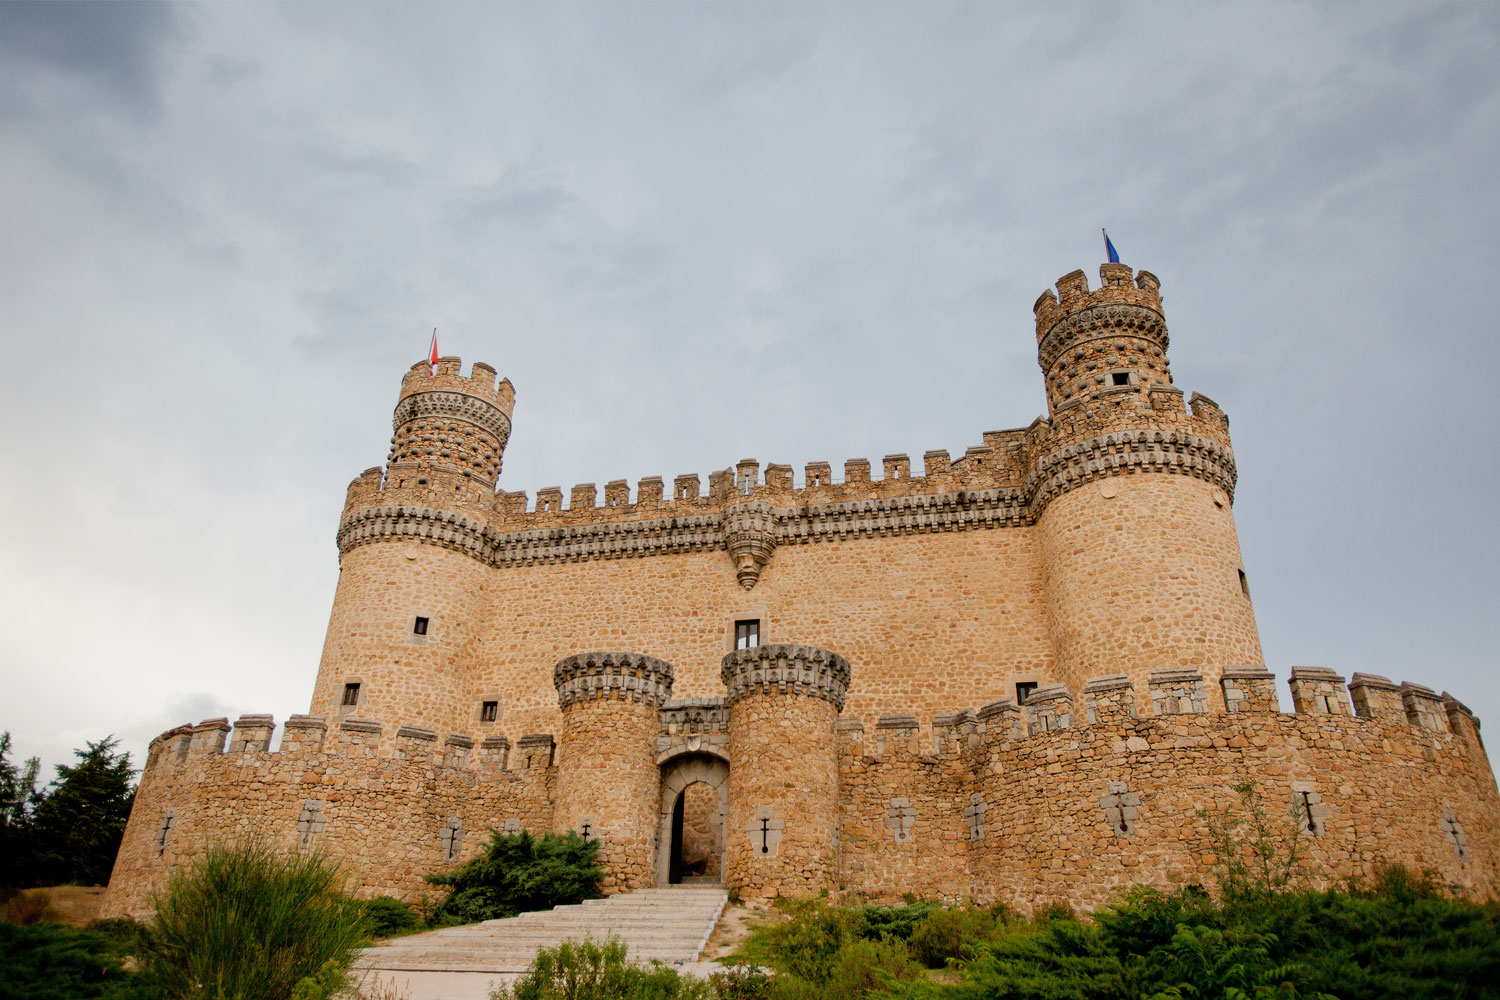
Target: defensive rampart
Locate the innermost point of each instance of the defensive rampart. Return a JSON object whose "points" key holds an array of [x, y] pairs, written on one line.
{"points": [[423, 806], [1068, 797]]}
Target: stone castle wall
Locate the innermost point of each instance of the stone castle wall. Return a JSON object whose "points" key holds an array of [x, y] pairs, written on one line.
{"points": [[1061, 799], [391, 816]]}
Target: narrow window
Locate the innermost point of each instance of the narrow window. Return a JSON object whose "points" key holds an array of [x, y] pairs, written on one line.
{"points": [[419, 627], [1244, 583], [1023, 691], [1121, 378], [351, 694], [488, 710], [747, 634]]}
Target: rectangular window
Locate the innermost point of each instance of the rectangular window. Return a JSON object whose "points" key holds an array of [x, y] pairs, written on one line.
{"points": [[351, 694], [488, 710], [1023, 691], [1121, 378], [419, 627], [1244, 584], [747, 634]]}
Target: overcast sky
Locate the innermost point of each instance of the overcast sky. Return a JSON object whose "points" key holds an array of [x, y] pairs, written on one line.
{"points": [[691, 233]]}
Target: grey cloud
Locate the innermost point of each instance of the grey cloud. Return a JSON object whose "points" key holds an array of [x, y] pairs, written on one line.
{"points": [[117, 47]]}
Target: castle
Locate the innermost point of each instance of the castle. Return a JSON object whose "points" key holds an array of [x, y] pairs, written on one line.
{"points": [[774, 684]]}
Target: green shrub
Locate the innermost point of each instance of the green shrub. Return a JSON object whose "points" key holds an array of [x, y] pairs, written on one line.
{"points": [[590, 970], [805, 945], [899, 922], [515, 873], [741, 982], [953, 933], [33, 907], [50, 962], [389, 917], [246, 923], [862, 967]]}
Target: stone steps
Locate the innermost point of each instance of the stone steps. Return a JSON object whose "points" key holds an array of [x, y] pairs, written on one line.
{"points": [[666, 925]]}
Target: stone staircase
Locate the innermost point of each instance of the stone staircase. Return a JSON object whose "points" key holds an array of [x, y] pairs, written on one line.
{"points": [[667, 925]]}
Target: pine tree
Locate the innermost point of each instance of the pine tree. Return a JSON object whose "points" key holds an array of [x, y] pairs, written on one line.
{"points": [[18, 794], [77, 827]]}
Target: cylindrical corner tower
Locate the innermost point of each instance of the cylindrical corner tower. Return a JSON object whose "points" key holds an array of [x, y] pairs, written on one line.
{"points": [[783, 785], [1141, 562], [412, 558], [607, 780]]}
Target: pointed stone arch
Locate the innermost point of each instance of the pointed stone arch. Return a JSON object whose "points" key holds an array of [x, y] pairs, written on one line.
{"points": [[677, 773]]}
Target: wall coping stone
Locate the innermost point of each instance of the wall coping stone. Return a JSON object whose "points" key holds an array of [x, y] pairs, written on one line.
{"points": [[360, 726], [1247, 671], [1376, 681], [305, 722], [415, 733], [897, 722], [459, 740], [1109, 682], [1052, 692], [1316, 674]]}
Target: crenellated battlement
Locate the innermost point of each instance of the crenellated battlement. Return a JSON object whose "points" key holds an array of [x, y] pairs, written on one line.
{"points": [[480, 383], [312, 736], [1117, 287], [1175, 694]]}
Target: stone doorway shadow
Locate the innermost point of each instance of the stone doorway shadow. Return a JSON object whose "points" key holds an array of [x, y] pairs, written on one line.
{"points": [[690, 830]]}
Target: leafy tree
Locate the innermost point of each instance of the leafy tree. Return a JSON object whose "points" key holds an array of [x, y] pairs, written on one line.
{"points": [[519, 872], [78, 825], [18, 795]]}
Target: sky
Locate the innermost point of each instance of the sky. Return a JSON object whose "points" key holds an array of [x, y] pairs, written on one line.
{"points": [[695, 232]]}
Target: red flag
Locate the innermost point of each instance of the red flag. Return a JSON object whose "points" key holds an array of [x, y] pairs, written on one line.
{"points": [[432, 355]]}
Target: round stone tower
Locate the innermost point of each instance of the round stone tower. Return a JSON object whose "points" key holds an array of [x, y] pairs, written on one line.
{"points": [[402, 630], [446, 420], [780, 832], [608, 783], [1141, 562]]}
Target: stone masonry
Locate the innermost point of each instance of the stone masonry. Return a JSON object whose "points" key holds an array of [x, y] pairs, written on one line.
{"points": [[794, 716]]}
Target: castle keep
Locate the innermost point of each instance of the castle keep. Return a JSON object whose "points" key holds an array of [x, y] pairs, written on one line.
{"points": [[1012, 674]]}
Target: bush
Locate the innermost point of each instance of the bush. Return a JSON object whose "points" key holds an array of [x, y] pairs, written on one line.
{"points": [[862, 967], [249, 924], [518, 872], [951, 934], [389, 917], [34, 907], [806, 945], [589, 970], [899, 922], [48, 962]]}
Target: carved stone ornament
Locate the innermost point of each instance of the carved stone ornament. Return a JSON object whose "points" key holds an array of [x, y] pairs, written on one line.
{"points": [[750, 538]]}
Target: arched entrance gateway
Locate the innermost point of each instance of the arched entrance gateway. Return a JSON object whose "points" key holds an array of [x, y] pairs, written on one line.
{"points": [[690, 827]]}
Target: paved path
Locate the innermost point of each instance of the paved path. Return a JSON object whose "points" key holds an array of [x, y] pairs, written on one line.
{"points": [[460, 963]]}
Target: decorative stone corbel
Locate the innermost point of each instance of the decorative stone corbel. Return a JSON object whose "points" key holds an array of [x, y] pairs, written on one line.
{"points": [[750, 538]]}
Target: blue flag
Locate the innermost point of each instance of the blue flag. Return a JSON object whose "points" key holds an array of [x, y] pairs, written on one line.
{"points": [[1109, 248]]}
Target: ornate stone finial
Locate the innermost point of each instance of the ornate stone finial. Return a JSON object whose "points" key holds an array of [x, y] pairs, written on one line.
{"points": [[624, 676], [787, 669], [750, 538]]}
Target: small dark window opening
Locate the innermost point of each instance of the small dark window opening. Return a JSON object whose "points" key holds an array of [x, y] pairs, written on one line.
{"points": [[747, 634], [1244, 583], [1023, 691], [420, 626], [351, 694], [1121, 378], [488, 710]]}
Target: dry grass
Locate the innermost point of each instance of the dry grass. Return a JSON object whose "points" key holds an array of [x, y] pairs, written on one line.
{"points": [[74, 905], [736, 923]]}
